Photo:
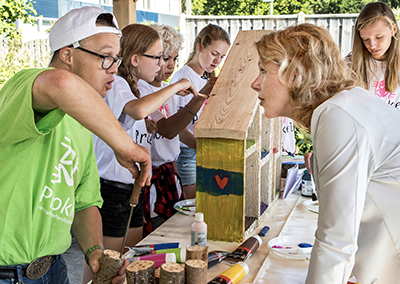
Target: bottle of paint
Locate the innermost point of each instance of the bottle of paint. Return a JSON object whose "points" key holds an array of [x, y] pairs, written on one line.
{"points": [[215, 257], [232, 275], [307, 184], [199, 231], [244, 251]]}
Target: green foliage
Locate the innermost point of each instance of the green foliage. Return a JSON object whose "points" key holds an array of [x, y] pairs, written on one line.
{"points": [[10, 12], [13, 57], [303, 141], [281, 7]]}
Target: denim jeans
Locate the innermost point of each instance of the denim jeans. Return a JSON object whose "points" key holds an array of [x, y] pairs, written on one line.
{"points": [[57, 274], [186, 164]]}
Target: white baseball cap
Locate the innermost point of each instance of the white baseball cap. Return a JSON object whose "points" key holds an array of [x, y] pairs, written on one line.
{"points": [[77, 25]]}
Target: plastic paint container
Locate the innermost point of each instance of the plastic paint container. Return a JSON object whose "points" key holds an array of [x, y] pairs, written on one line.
{"points": [[157, 258], [244, 251], [180, 253], [198, 231], [232, 275]]}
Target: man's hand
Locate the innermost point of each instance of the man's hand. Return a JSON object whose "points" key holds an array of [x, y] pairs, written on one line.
{"points": [[137, 154], [94, 264]]}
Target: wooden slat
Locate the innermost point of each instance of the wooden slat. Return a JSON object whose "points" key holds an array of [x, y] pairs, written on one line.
{"points": [[228, 111]]}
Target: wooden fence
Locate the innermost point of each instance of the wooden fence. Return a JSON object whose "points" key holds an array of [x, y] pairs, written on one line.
{"points": [[340, 26]]}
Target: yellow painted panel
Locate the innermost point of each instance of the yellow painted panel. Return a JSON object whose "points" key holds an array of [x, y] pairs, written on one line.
{"points": [[224, 216], [220, 153]]}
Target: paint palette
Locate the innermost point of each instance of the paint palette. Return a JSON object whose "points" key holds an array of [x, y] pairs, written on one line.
{"points": [[187, 206], [288, 247], [313, 206]]}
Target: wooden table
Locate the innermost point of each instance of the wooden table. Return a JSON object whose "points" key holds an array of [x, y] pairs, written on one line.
{"points": [[288, 217]]}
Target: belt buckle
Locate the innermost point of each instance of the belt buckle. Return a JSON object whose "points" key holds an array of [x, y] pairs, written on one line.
{"points": [[39, 267]]}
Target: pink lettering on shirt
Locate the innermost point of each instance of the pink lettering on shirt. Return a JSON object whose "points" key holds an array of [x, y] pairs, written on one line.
{"points": [[379, 89]]}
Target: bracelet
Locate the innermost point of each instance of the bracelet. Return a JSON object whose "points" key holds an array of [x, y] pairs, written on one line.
{"points": [[90, 250]]}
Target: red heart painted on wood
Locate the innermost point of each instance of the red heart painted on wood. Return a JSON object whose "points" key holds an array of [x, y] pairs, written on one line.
{"points": [[221, 182]]}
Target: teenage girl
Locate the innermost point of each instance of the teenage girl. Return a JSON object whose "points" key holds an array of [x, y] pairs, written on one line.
{"points": [[376, 53], [166, 188], [209, 48], [142, 53], [375, 56]]}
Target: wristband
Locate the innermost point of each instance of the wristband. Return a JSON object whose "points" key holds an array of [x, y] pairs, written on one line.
{"points": [[90, 250]]}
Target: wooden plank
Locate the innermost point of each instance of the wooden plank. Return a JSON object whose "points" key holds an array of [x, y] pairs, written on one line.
{"points": [[246, 24], [125, 12], [220, 187], [334, 26], [269, 24], [258, 24], [347, 32], [228, 111], [235, 27]]}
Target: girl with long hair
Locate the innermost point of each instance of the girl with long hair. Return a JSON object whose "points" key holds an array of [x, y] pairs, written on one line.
{"points": [[142, 58], [375, 56], [210, 47]]}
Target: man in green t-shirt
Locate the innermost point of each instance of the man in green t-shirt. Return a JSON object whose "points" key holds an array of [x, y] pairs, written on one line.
{"points": [[48, 173]]}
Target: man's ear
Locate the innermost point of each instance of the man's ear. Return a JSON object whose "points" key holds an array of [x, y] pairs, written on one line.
{"points": [[65, 55], [134, 60]]}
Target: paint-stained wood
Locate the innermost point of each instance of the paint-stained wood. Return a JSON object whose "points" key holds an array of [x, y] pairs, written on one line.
{"points": [[229, 109], [125, 12], [238, 149]]}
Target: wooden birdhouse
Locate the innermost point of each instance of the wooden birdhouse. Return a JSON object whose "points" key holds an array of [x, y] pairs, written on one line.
{"points": [[238, 149]]}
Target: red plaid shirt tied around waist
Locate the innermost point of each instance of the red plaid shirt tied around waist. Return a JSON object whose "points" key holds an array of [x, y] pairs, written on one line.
{"points": [[167, 194]]}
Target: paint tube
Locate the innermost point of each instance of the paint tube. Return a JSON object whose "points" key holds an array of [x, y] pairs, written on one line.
{"points": [[215, 257], [244, 251], [157, 258], [147, 249], [232, 275], [180, 253]]}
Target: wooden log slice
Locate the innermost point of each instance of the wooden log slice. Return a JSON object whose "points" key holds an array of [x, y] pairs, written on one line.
{"points": [[110, 264], [140, 272], [157, 275], [172, 273], [195, 271], [197, 252]]}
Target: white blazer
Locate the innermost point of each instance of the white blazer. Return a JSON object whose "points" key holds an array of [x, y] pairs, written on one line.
{"points": [[356, 167]]}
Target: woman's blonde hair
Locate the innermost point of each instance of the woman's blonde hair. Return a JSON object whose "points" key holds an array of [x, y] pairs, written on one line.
{"points": [[172, 39], [136, 39], [206, 37], [310, 66], [360, 56]]}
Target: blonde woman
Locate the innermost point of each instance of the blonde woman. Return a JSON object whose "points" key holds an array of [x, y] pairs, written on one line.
{"points": [[356, 160], [376, 52]]}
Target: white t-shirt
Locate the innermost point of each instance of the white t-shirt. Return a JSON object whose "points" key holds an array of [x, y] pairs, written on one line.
{"points": [[116, 99], [163, 150], [355, 166], [198, 82], [377, 84], [288, 141]]}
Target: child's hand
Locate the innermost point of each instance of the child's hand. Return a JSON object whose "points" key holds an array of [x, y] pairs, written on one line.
{"points": [[186, 88]]}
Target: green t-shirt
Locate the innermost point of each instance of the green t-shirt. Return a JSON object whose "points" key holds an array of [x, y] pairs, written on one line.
{"points": [[48, 172]]}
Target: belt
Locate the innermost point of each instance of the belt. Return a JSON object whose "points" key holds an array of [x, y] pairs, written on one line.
{"points": [[34, 270], [117, 184]]}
